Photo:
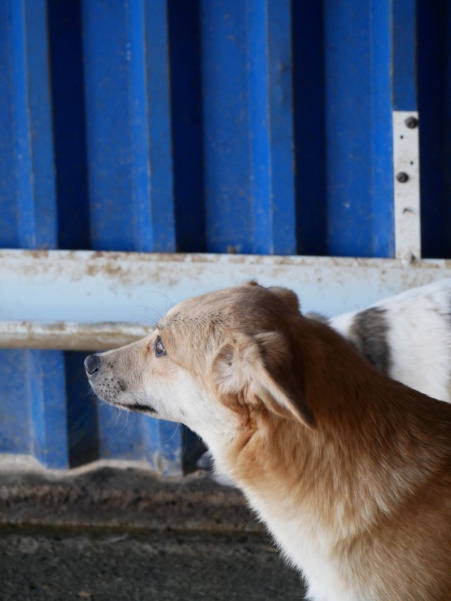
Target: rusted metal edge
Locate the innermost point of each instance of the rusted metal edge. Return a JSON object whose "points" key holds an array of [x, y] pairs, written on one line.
{"points": [[69, 336], [89, 300], [85, 258]]}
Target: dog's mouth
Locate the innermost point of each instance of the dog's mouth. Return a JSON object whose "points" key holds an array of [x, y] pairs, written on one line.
{"points": [[137, 407]]}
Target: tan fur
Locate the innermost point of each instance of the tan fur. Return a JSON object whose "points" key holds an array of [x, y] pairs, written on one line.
{"points": [[350, 470]]}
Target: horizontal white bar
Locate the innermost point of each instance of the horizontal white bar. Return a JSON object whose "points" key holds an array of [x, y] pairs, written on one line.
{"points": [[67, 336], [41, 288]]}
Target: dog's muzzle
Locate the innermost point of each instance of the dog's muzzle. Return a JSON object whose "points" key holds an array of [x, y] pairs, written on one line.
{"points": [[92, 364]]}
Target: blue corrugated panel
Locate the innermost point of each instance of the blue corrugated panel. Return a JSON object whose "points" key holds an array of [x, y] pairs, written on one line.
{"points": [[307, 33], [380, 188], [32, 383], [271, 127], [404, 31], [69, 123], [357, 85], [187, 126], [130, 186], [249, 126], [69, 139], [130, 207], [434, 93]]}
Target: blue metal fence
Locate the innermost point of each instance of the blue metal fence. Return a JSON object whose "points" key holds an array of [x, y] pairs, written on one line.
{"points": [[244, 126]]}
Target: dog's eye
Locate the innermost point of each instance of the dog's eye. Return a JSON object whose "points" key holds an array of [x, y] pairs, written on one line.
{"points": [[159, 348]]}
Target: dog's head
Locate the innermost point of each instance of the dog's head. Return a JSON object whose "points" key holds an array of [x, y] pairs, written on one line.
{"points": [[211, 363]]}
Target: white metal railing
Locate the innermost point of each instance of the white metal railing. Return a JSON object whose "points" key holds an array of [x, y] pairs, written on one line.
{"points": [[90, 300]]}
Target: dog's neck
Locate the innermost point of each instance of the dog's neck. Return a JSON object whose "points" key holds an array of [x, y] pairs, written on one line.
{"points": [[365, 457], [358, 468], [298, 468]]}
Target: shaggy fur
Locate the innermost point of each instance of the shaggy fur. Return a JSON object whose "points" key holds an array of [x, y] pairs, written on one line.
{"points": [[407, 337], [349, 469]]}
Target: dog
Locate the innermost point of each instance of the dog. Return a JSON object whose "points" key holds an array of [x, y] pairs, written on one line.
{"points": [[407, 337], [349, 469]]}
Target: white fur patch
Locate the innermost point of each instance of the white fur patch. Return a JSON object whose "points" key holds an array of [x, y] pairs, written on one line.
{"points": [[419, 337]]}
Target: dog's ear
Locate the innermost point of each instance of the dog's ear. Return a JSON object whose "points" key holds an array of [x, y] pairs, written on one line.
{"points": [[260, 370], [288, 296]]}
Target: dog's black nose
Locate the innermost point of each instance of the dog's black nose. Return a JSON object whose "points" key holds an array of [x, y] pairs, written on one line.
{"points": [[92, 364]]}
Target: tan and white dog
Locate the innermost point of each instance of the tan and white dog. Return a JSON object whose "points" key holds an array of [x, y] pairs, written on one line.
{"points": [[350, 470], [406, 336]]}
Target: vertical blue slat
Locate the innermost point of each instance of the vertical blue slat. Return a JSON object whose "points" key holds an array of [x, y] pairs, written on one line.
{"points": [[248, 132], [45, 369], [122, 174], [69, 124], [446, 213], [107, 55], [358, 172], [348, 122], [163, 446], [309, 126], [259, 122], [271, 127], [121, 435], [130, 436], [281, 127], [14, 415], [48, 408], [381, 183], [226, 127], [162, 441], [33, 382], [21, 122], [69, 134], [130, 170], [434, 97], [8, 233], [158, 103], [404, 55], [14, 403], [40, 125], [82, 418], [187, 125], [138, 126]]}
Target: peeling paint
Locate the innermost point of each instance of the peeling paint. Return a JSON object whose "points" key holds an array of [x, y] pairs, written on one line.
{"points": [[69, 336], [86, 288]]}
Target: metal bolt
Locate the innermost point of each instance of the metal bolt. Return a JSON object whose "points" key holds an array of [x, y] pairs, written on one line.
{"points": [[411, 122], [402, 177]]}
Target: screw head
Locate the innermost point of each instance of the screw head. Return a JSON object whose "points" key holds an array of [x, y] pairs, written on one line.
{"points": [[402, 177], [411, 122]]}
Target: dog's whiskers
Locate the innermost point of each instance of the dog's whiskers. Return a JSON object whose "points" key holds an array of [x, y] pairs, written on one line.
{"points": [[173, 434], [126, 423]]}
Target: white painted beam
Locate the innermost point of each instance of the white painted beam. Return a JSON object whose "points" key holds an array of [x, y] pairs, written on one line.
{"points": [[69, 336], [94, 300]]}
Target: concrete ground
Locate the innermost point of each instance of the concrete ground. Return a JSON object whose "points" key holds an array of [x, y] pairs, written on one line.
{"points": [[120, 533]]}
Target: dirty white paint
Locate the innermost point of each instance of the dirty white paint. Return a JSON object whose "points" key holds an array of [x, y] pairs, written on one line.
{"points": [[66, 335], [93, 300], [406, 161]]}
